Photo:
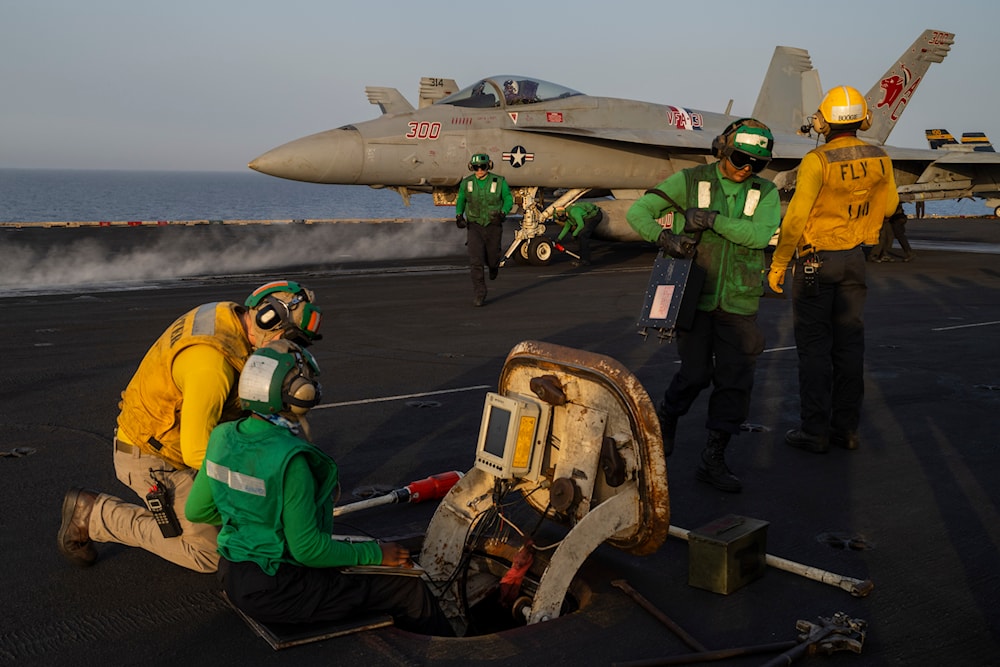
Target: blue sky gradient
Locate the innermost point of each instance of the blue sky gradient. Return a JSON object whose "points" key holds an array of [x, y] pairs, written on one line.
{"points": [[185, 85]]}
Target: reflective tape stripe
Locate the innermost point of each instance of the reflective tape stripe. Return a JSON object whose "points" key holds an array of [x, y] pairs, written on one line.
{"points": [[204, 320], [235, 480]]}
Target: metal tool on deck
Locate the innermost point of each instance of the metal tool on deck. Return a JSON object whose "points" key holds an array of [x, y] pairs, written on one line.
{"points": [[430, 488], [828, 635]]}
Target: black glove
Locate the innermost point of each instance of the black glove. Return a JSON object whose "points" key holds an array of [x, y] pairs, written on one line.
{"points": [[460, 221], [681, 247], [496, 217], [698, 219]]}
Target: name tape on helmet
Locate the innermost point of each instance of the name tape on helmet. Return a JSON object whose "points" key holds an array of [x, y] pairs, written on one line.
{"points": [[255, 380], [748, 139], [849, 113]]}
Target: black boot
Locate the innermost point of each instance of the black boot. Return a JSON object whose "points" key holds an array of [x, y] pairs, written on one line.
{"points": [[668, 428], [713, 467]]}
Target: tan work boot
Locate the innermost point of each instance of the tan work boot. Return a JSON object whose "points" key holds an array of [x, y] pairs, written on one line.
{"points": [[74, 534]]}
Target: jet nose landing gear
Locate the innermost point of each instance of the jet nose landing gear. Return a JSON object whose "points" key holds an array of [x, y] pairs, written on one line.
{"points": [[569, 456]]}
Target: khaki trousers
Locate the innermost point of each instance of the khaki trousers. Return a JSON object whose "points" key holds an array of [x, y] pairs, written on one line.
{"points": [[114, 520]]}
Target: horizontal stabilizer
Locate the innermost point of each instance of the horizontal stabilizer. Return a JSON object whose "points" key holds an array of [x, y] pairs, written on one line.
{"points": [[389, 100]]}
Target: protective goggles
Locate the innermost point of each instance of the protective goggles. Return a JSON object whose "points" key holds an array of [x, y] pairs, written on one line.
{"points": [[480, 167], [744, 160]]}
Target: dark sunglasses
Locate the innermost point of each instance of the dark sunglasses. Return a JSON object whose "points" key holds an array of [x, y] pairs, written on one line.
{"points": [[480, 167], [742, 161]]}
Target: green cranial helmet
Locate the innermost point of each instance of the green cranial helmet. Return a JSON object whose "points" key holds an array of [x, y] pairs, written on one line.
{"points": [[480, 160], [280, 377], [754, 139]]}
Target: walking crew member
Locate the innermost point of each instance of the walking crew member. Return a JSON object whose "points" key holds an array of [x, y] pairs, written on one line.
{"points": [[844, 191], [184, 386], [735, 213], [272, 493], [483, 203], [580, 219]]}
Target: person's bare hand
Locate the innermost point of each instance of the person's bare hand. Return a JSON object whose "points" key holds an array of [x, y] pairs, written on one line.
{"points": [[395, 555]]}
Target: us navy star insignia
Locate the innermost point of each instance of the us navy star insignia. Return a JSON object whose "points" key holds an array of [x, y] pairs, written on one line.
{"points": [[517, 156]]}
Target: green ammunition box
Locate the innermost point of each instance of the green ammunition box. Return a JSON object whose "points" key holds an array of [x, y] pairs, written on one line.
{"points": [[727, 553]]}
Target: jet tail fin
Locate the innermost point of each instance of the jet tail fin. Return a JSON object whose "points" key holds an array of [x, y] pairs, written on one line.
{"points": [[940, 138], [791, 91], [978, 141], [889, 96], [433, 89], [389, 100], [971, 142]]}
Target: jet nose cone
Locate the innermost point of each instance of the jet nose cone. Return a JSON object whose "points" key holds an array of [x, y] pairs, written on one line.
{"points": [[334, 156]]}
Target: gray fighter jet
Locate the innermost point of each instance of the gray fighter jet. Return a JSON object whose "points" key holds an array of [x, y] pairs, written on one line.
{"points": [[555, 145]]}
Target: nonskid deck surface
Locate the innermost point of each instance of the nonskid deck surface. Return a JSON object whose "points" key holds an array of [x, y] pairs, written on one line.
{"points": [[406, 362]]}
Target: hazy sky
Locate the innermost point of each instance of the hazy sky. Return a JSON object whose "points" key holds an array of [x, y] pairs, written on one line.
{"points": [[211, 84]]}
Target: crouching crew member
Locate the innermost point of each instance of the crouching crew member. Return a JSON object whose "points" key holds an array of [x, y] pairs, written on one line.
{"points": [[272, 492]]}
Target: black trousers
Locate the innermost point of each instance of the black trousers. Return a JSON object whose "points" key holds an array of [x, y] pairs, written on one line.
{"points": [[721, 350], [830, 339], [304, 594], [483, 244], [583, 238]]}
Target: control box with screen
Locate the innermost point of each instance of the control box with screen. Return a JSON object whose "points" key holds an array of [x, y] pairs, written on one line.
{"points": [[511, 436]]}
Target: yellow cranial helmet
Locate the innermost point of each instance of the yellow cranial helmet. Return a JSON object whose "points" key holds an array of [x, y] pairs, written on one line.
{"points": [[842, 107]]}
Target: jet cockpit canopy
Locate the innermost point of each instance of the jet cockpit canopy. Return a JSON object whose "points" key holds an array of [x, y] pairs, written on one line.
{"points": [[507, 90]]}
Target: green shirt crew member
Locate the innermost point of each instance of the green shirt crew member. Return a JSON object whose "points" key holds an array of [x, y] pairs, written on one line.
{"points": [[723, 215], [272, 492], [579, 220], [483, 203]]}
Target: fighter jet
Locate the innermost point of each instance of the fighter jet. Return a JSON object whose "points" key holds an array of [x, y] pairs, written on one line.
{"points": [[972, 142], [555, 144]]}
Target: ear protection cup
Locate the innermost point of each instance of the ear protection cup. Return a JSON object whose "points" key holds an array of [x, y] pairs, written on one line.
{"points": [[819, 123], [866, 124], [301, 395], [272, 314], [722, 143]]}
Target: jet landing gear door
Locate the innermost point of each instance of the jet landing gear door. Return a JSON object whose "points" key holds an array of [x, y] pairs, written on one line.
{"points": [[572, 438]]}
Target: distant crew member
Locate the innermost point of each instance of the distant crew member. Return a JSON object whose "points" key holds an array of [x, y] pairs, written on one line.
{"points": [[727, 215], [893, 228], [483, 203], [579, 221], [184, 386], [844, 191], [272, 493]]}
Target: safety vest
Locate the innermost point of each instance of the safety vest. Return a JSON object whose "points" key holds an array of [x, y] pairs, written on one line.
{"points": [[850, 206], [733, 273], [246, 462], [482, 196], [151, 403]]}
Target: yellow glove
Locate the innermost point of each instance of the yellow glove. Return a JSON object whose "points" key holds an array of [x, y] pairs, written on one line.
{"points": [[776, 278]]}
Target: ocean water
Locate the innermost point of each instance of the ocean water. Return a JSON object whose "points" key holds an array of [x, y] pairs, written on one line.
{"points": [[59, 260], [42, 195]]}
